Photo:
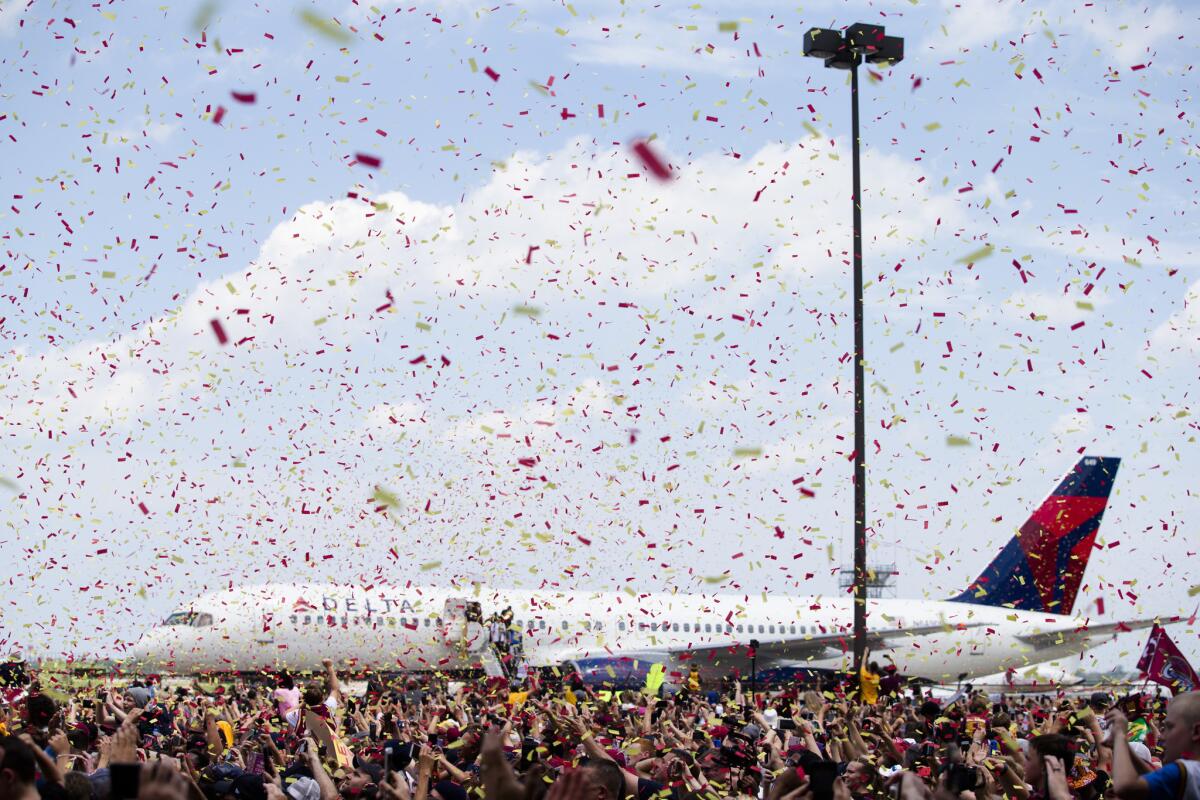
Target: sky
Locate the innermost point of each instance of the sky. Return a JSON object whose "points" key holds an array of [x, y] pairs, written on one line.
{"points": [[341, 292]]}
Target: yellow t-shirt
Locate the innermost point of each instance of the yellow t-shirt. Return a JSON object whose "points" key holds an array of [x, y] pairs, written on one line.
{"points": [[869, 683]]}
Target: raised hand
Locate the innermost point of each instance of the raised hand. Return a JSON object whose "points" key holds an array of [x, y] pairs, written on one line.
{"points": [[122, 748]]}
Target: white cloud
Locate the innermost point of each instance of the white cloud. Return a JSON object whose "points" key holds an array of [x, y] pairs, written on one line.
{"points": [[658, 41], [10, 14], [970, 23], [1130, 32], [1181, 331], [1058, 309]]}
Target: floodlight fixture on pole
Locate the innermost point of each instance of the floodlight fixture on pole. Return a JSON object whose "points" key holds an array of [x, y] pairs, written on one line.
{"points": [[846, 50]]}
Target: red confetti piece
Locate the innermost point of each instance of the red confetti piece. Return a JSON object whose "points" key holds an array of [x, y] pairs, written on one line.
{"points": [[1100, 606], [1077, 326], [145, 510], [491, 73], [219, 331], [651, 161], [244, 97], [368, 161], [218, 115]]}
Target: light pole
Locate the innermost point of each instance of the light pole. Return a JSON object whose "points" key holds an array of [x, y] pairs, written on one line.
{"points": [[846, 51], [753, 670]]}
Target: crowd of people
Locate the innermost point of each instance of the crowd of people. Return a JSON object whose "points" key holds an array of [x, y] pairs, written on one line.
{"points": [[437, 737]]}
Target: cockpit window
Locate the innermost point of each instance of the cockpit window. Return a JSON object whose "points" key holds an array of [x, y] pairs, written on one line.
{"points": [[203, 621], [181, 618]]}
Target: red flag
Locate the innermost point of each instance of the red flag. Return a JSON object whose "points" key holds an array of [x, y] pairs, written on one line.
{"points": [[1162, 663]]}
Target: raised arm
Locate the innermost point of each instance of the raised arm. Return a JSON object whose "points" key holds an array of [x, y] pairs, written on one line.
{"points": [[1127, 783], [335, 686]]}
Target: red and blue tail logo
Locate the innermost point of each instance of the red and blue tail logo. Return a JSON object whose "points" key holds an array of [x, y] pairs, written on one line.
{"points": [[1041, 568]]}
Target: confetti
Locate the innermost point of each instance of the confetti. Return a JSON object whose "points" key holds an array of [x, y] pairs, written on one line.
{"points": [[219, 331], [651, 161], [244, 97], [325, 27], [368, 161]]}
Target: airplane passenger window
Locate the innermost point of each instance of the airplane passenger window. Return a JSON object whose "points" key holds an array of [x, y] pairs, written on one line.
{"points": [[620, 626], [564, 624], [542, 624], [772, 627], [739, 628], [708, 627], [204, 620], [686, 627], [675, 626], [760, 629]]}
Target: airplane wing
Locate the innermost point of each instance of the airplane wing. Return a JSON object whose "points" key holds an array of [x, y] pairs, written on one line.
{"points": [[1084, 634], [794, 652], [780, 653]]}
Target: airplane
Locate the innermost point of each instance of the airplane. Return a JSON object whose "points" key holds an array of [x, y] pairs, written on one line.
{"points": [[1018, 612]]}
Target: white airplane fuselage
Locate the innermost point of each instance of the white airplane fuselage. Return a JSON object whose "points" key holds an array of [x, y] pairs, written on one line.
{"points": [[292, 626]]}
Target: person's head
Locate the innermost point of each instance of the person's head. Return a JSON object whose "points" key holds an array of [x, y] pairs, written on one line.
{"points": [[17, 767], [77, 785], [448, 790], [1049, 744], [314, 694], [40, 710], [1181, 730], [858, 775], [136, 697], [874, 667], [605, 780], [286, 681], [361, 780]]}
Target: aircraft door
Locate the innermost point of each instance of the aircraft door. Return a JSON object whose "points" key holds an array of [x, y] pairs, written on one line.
{"points": [[463, 625]]}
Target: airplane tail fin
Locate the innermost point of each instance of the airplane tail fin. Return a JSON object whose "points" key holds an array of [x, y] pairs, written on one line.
{"points": [[1041, 568]]}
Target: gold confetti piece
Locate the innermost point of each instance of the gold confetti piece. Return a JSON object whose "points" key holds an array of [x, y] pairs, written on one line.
{"points": [[9, 483], [1195, 590], [747, 452], [386, 498], [428, 565], [933, 126], [957, 441], [978, 255], [527, 311], [726, 27], [1086, 306], [326, 27]]}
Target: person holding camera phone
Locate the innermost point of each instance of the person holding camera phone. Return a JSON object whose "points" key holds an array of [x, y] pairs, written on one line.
{"points": [[1180, 774]]}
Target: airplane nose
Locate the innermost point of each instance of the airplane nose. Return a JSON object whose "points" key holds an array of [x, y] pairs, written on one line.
{"points": [[144, 648]]}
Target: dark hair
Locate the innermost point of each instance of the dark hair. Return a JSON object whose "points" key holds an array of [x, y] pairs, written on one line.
{"points": [[40, 710], [78, 786], [19, 758], [1054, 744], [610, 777]]}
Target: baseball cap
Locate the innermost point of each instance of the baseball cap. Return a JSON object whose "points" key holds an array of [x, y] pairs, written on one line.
{"points": [[304, 789]]}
